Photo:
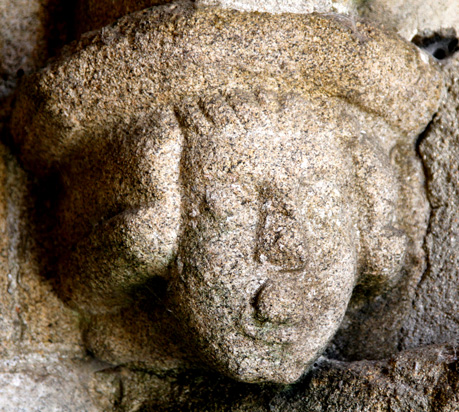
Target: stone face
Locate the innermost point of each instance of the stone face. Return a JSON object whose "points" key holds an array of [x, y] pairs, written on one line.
{"points": [[43, 364], [261, 174]]}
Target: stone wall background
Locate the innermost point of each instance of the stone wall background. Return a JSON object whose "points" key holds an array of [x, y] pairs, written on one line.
{"points": [[435, 314], [43, 362]]}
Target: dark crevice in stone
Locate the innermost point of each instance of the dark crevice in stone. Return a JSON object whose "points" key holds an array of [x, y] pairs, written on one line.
{"points": [[60, 25], [422, 136], [440, 45], [428, 177]]}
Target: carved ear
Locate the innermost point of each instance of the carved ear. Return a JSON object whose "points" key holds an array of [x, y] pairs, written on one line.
{"points": [[120, 255], [392, 212], [136, 174]]}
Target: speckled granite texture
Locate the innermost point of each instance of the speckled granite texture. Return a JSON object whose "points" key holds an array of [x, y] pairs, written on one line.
{"points": [[226, 161], [435, 315], [235, 139]]}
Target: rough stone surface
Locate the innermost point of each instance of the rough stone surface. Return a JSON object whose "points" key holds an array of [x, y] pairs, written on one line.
{"points": [[148, 366], [289, 6], [183, 147], [435, 314], [30, 31], [43, 365], [31, 313], [22, 46], [47, 381], [417, 381], [22, 35], [421, 380], [412, 17]]}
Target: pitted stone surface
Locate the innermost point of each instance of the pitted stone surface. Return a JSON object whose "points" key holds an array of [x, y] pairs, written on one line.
{"points": [[286, 6], [409, 18], [420, 380], [39, 335], [261, 165], [434, 316], [22, 36], [23, 46]]}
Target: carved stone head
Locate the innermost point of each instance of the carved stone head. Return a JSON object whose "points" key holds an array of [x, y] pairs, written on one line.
{"points": [[262, 165]]}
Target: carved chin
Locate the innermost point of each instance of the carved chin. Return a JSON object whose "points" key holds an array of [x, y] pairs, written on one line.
{"points": [[283, 364], [247, 349], [255, 360]]}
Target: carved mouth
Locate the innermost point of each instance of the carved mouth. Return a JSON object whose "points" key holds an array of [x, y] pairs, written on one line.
{"points": [[268, 331]]}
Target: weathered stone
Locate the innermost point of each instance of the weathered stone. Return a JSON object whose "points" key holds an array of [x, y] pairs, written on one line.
{"points": [[39, 336], [22, 46], [289, 6], [141, 337], [422, 380], [417, 381], [435, 314], [47, 381], [9, 320], [413, 17], [430, 312], [30, 31], [22, 35], [262, 165], [31, 314]]}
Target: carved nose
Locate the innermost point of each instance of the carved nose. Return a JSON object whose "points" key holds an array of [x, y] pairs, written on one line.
{"points": [[280, 302]]}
